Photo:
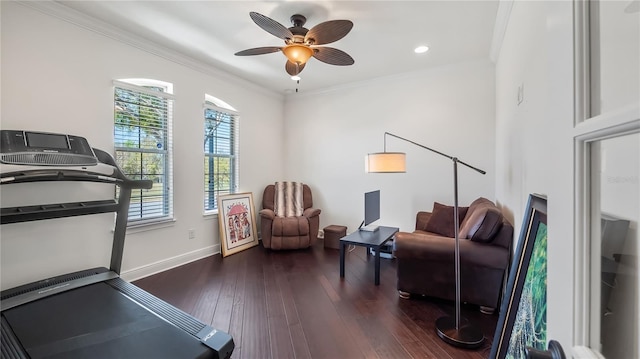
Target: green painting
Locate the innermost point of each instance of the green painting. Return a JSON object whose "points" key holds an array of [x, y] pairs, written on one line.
{"points": [[530, 325]]}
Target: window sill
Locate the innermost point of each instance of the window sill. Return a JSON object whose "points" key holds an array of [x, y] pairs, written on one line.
{"points": [[150, 225], [210, 214]]}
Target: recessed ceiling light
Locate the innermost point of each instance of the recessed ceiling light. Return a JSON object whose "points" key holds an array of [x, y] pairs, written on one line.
{"points": [[421, 49], [295, 78]]}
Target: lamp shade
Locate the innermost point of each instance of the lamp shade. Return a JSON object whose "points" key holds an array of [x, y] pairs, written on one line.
{"points": [[298, 54], [386, 162]]}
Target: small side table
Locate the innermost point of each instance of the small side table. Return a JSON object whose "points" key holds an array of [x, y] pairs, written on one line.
{"points": [[332, 235], [370, 240]]}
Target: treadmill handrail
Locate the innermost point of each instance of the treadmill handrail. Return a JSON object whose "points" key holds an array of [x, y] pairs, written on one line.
{"points": [[45, 175]]}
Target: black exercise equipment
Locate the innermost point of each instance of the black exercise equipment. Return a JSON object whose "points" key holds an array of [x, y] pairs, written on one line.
{"points": [[91, 313]]}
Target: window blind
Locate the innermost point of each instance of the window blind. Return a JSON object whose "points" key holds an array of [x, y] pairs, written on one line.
{"points": [[220, 154], [143, 146]]}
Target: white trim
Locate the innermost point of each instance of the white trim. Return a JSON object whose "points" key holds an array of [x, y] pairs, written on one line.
{"points": [[150, 224], [581, 249], [626, 117], [585, 202], [62, 12], [389, 78], [210, 214], [580, 352], [169, 263], [500, 28], [581, 50], [587, 131], [214, 107], [218, 104], [123, 84]]}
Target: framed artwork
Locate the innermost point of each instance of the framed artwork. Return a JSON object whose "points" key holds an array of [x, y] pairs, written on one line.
{"points": [[237, 222], [523, 313]]}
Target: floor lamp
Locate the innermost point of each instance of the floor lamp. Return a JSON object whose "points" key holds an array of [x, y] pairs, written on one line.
{"points": [[455, 331]]}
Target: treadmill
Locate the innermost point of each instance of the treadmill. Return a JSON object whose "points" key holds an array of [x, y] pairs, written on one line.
{"points": [[91, 313]]}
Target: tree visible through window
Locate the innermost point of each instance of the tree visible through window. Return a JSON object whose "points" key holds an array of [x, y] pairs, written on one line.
{"points": [[142, 137], [220, 149]]}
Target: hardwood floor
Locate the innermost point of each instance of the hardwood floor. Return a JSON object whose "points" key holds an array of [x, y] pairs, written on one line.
{"points": [[293, 304]]}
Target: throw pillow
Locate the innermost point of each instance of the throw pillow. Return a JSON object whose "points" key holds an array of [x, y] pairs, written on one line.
{"points": [[483, 223], [441, 221]]}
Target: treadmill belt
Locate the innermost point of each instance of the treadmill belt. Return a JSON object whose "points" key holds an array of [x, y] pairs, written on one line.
{"points": [[97, 321]]}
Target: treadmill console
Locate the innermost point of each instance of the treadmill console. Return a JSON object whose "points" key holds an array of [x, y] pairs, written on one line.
{"points": [[45, 149]]}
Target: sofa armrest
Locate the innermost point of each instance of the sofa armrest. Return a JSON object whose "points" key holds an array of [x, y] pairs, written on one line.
{"points": [[311, 212], [422, 246], [267, 214], [422, 218], [434, 248]]}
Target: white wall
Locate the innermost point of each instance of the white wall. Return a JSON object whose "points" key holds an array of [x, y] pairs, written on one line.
{"points": [[534, 148], [450, 109], [57, 77]]}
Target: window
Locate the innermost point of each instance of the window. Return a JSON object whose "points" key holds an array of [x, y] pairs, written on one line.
{"points": [[607, 155], [142, 138], [220, 151]]}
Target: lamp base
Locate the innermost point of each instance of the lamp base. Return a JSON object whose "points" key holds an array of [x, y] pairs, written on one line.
{"points": [[466, 336]]}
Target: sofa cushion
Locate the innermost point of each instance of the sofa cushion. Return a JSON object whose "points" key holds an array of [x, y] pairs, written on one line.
{"points": [[441, 221], [483, 221]]}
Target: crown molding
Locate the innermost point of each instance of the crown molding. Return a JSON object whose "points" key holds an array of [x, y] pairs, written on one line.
{"points": [[500, 28], [390, 78], [62, 12]]}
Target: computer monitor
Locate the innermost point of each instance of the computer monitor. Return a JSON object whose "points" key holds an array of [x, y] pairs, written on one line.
{"points": [[371, 209]]}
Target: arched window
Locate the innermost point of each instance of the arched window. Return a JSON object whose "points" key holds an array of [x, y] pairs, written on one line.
{"points": [[220, 151], [143, 148]]}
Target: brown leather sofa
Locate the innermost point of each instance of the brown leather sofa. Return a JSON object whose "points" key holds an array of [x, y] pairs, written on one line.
{"points": [[425, 258], [288, 232]]}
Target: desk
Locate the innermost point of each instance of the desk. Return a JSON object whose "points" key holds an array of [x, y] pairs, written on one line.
{"points": [[370, 240]]}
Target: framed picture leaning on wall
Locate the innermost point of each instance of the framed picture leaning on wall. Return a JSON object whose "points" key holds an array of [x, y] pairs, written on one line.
{"points": [[237, 222], [523, 313]]}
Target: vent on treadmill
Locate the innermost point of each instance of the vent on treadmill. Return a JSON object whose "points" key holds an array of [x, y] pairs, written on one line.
{"points": [[47, 159], [23, 289]]}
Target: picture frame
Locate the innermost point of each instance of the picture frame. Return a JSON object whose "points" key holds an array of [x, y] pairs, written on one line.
{"points": [[237, 223], [523, 314]]}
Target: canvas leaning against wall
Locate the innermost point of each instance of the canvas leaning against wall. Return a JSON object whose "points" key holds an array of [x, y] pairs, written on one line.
{"points": [[523, 315], [237, 222]]}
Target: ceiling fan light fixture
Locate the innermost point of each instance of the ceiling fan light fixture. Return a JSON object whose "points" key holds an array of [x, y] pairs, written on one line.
{"points": [[296, 78], [298, 54]]}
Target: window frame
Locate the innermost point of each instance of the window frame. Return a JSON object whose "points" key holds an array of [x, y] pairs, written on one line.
{"points": [[590, 127], [210, 194], [142, 86]]}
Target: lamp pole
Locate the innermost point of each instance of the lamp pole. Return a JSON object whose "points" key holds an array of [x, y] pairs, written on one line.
{"points": [[454, 331]]}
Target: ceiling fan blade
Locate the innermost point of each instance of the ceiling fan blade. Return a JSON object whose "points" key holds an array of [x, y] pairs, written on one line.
{"points": [[332, 56], [258, 51], [271, 26], [328, 32], [293, 69]]}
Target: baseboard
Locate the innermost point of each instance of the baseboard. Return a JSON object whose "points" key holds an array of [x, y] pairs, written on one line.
{"points": [[166, 264]]}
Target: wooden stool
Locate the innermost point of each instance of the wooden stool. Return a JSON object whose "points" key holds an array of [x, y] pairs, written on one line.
{"points": [[332, 235]]}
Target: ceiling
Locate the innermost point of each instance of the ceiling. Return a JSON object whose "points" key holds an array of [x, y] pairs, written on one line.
{"points": [[381, 41]]}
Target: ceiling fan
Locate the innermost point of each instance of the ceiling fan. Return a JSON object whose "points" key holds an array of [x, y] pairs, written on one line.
{"points": [[302, 43]]}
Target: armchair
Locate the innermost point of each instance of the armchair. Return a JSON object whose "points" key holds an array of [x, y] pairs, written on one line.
{"points": [[425, 258], [288, 232]]}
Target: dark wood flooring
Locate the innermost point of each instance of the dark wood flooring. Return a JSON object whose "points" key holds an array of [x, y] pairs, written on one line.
{"points": [[293, 304]]}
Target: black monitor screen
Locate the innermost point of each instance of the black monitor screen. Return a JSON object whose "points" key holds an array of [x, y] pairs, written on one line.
{"points": [[371, 207], [47, 140]]}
